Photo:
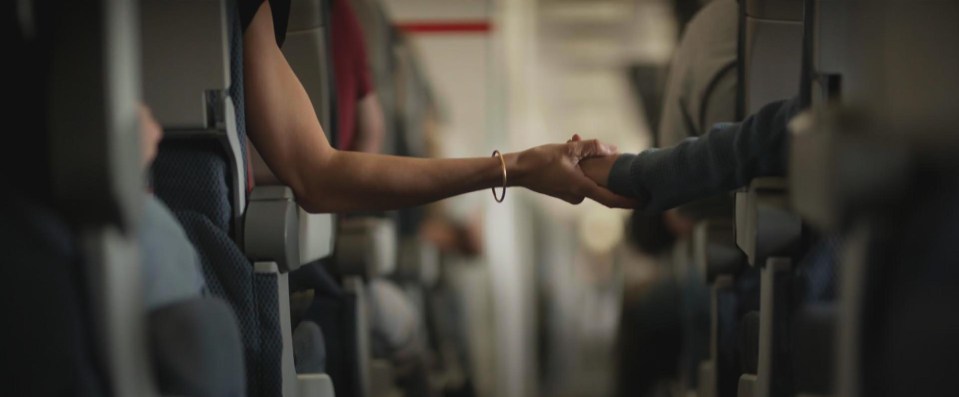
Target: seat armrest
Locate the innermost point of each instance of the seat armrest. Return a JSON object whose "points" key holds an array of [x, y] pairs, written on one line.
{"points": [[765, 225], [271, 227], [418, 261], [366, 247], [317, 236], [714, 248], [315, 385]]}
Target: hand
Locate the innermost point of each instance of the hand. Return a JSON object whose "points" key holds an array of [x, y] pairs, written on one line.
{"points": [[598, 168], [554, 170]]}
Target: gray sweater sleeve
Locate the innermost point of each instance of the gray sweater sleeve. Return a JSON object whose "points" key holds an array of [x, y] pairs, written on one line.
{"points": [[726, 158]]}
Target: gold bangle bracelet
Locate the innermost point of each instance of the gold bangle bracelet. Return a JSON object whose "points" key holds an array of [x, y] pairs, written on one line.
{"points": [[502, 161]]}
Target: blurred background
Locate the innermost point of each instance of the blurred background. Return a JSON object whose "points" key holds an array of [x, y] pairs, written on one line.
{"points": [[545, 290]]}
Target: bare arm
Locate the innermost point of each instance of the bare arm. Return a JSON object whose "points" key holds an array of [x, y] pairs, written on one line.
{"points": [[369, 124], [284, 128]]}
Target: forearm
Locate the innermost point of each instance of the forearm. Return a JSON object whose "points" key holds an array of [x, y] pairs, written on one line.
{"points": [[285, 130], [724, 159], [352, 181]]}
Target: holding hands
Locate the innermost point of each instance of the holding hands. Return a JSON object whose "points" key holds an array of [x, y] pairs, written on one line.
{"points": [[571, 172]]}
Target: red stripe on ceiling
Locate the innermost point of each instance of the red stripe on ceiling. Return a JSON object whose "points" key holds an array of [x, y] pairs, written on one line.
{"points": [[445, 26]]}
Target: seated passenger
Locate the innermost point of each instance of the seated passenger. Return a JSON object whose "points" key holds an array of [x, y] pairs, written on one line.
{"points": [[171, 267], [701, 86]]}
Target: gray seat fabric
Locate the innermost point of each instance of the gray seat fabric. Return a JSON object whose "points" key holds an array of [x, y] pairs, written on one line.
{"points": [[309, 348], [194, 177], [197, 350], [253, 297], [171, 266], [701, 87]]}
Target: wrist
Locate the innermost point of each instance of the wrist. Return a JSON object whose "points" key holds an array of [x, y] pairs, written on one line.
{"points": [[618, 179], [515, 169]]}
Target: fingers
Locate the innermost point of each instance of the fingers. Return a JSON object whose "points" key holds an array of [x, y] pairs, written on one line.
{"points": [[606, 197], [592, 148], [574, 200]]}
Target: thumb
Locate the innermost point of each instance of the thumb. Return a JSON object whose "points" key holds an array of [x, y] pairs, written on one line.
{"points": [[591, 148]]}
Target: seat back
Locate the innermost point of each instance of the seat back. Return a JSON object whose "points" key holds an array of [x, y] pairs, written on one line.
{"points": [[96, 184], [339, 310], [194, 80], [896, 114], [71, 203], [771, 33]]}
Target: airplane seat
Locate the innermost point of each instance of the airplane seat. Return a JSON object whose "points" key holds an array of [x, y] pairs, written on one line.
{"points": [[768, 232], [307, 49], [717, 77], [355, 367], [719, 261], [193, 82], [769, 235], [74, 315], [98, 335], [340, 314], [875, 164]]}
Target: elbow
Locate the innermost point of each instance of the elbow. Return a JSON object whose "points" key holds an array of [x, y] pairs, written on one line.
{"points": [[308, 196], [311, 206], [314, 193], [313, 202]]}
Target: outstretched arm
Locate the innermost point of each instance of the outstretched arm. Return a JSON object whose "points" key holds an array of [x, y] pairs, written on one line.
{"points": [[285, 130], [726, 158]]}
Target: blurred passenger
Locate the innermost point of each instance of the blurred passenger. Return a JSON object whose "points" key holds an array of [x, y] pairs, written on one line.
{"points": [[701, 86], [359, 114], [171, 266]]}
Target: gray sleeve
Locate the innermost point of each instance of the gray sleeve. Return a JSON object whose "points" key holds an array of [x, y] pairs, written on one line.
{"points": [[726, 158], [171, 265]]}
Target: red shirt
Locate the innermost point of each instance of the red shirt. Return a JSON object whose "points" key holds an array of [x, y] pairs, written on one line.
{"points": [[350, 68]]}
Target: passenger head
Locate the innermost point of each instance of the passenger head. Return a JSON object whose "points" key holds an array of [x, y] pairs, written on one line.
{"points": [[150, 135]]}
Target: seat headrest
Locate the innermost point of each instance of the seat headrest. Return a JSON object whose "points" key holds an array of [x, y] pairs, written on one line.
{"points": [[184, 56]]}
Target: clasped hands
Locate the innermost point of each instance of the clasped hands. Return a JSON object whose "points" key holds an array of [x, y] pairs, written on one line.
{"points": [[570, 171]]}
